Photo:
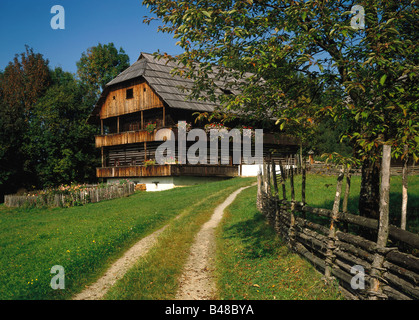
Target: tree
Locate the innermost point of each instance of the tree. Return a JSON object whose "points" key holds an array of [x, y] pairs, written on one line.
{"points": [[374, 68], [59, 140], [99, 65], [327, 138], [22, 83]]}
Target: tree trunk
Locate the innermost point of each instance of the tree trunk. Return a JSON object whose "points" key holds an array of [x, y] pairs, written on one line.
{"points": [[347, 190], [303, 179], [383, 230], [303, 184], [404, 192], [370, 193], [346, 196], [330, 256]]}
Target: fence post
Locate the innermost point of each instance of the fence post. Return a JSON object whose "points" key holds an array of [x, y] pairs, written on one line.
{"points": [[404, 187], [284, 191], [259, 203], [274, 178], [273, 213], [291, 230], [375, 291], [267, 178], [292, 184], [303, 180], [331, 242]]}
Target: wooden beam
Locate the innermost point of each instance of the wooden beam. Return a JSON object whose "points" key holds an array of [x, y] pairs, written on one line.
{"points": [[101, 127], [164, 116], [103, 157], [145, 151], [117, 125], [142, 120]]}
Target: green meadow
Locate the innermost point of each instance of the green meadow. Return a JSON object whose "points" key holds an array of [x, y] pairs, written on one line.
{"points": [[252, 262]]}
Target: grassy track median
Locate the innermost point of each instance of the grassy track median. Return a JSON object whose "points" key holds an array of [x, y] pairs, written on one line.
{"points": [[156, 276]]}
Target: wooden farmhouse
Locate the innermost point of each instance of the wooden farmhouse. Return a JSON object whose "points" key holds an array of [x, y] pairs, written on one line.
{"points": [[147, 96]]}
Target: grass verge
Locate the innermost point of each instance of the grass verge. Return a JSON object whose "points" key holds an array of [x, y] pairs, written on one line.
{"points": [[254, 264]]}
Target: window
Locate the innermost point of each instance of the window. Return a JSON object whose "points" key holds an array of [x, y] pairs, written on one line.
{"points": [[130, 93]]}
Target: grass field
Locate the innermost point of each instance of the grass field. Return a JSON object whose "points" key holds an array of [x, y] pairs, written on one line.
{"points": [[84, 240], [320, 192]]}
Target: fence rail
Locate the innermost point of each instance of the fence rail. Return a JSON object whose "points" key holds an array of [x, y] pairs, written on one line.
{"points": [[322, 236], [323, 168], [89, 194]]}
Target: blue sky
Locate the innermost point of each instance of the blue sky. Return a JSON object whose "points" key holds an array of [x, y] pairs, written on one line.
{"points": [[88, 22]]}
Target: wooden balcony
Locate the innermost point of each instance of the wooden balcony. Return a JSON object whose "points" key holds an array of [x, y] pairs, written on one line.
{"points": [[138, 136], [168, 170], [115, 139]]}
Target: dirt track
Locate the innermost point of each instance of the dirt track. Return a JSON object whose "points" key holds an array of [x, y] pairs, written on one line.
{"points": [[197, 282]]}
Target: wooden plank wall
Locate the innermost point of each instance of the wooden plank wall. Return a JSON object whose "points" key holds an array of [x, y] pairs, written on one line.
{"points": [[116, 103], [130, 155]]}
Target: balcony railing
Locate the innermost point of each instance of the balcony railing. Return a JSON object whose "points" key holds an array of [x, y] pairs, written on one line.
{"points": [[168, 170], [115, 139], [138, 136]]}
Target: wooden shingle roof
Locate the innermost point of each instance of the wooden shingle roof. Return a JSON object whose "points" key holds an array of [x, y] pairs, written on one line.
{"points": [[157, 73]]}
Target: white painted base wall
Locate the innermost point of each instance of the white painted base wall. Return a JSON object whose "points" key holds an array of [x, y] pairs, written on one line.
{"points": [[253, 169], [166, 183]]}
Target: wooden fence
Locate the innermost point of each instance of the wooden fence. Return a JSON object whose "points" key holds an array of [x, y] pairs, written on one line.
{"points": [[88, 194], [322, 168], [331, 241]]}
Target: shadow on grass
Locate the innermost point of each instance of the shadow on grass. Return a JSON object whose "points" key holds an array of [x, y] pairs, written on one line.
{"points": [[258, 239]]}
